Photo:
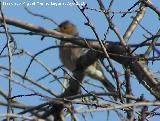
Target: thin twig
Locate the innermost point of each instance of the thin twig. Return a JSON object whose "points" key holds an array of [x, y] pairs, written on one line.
{"points": [[39, 15], [10, 62]]}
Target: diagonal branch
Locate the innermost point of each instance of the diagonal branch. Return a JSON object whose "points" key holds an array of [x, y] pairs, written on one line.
{"points": [[139, 16], [139, 68]]}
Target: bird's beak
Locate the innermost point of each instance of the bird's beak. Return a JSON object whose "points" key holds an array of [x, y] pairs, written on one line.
{"points": [[57, 29]]}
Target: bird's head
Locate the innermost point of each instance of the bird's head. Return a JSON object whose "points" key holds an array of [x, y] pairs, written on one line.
{"points": [[67, 28]]}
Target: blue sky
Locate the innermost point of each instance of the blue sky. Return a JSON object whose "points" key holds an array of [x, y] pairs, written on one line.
{"points": [[33, 44]]}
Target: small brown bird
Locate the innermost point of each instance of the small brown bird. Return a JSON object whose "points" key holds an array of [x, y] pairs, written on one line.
{"points": [[70, 55]]}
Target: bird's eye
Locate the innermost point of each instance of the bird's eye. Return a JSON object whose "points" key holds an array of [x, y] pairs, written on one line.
{"points": [[64, 27]]}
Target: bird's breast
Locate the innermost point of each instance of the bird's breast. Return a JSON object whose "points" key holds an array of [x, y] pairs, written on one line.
{"points": [[69, 54]]}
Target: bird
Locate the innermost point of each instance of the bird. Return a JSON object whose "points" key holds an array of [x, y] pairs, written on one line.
{"points": [[69, 56]]}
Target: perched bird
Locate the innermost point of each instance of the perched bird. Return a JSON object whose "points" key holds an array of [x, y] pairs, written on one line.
{"points": [[69, 56]]}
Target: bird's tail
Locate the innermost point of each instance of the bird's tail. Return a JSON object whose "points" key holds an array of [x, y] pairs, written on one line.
{"points": [[109, 86], [98, 74]]}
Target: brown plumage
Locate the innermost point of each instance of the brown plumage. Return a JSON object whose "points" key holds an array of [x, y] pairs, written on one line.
{"points": [[69, 55]]}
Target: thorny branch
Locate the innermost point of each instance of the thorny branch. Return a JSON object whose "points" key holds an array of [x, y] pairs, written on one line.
{"points": [[120, 51]]}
